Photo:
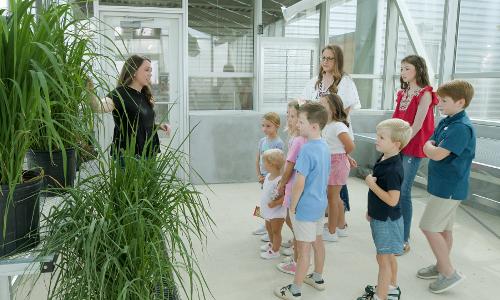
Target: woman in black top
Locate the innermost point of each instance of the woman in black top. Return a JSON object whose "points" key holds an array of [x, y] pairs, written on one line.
{"points": [[132, 106]]}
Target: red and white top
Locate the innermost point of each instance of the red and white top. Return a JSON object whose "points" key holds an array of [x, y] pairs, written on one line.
{"points": [[406, 109]]}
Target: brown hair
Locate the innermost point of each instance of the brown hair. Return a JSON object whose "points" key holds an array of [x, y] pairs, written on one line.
{"points": [[338, 69], [273, 118], [400, 130], [337, 108], [422, 75], [457, 90], [127, 73], [315, 113]]}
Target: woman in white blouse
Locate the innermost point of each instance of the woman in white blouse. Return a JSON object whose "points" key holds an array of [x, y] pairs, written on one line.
{"points": [[332, 79]]}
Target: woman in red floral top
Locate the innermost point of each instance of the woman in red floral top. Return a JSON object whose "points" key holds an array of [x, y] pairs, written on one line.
{"points": [[415, 103]]}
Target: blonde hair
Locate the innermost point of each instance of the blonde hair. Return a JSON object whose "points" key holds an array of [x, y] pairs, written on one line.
{"points": [[273, 118], [400, 130], [456, 90], [275, 157]]}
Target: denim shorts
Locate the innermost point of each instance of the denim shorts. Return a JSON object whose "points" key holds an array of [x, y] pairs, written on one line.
{"points": [[388, 235]]}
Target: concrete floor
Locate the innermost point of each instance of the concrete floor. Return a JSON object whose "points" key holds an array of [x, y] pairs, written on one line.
{"points": [[234, 270]]}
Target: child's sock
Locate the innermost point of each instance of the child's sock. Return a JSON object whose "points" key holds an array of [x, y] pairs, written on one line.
{"points": [[295, 289], [316, 276], [391, 287], [375, 297]]}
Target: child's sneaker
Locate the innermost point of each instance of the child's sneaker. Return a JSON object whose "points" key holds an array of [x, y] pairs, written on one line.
{"points": [[429, 272], [266, 247], [287, 259], [285, 293], [286, 251], [392, 294], [329, 237], [342, 232], [260, 231], [287, 267], [319, 285], [287, 244], [367, 296], [265, 238], [270, 254], [443, 283]]}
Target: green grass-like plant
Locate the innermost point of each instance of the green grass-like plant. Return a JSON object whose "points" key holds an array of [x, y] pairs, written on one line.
{"points": [[128, 230]]}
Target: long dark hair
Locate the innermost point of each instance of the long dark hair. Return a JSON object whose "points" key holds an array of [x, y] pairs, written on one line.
{"points": [[422, 75], [127, 75], [337, 108], [338, 69]]}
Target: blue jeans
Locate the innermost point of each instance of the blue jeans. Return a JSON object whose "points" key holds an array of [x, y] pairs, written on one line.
{"points": [[344, 195], [410, 168]]}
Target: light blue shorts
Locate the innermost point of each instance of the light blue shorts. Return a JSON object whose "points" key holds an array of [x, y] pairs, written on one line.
{"points": [[388, 235]]}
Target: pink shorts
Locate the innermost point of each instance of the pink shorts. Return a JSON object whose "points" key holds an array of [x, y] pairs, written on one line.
{"points": [[339, 171]]}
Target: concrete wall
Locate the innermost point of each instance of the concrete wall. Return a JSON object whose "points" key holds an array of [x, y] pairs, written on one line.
{"points": [[223, 146]]}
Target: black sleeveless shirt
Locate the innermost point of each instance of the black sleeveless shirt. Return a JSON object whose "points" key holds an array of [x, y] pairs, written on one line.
{"points": [[133, 117]]}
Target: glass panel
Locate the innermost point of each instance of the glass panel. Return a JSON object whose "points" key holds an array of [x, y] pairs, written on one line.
{"points": [[370, 92], [478, 45], [144, 3], [4, 4], [359, 28], [286, 71], [220, 43], [303, 25], [485, 104], [427, 15]]}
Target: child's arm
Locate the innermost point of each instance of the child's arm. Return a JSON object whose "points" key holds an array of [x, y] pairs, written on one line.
{"points": [[390, 197], [297, 189], [260, 178], [287, 174], [276, 202], [347, 141], [433, 152], [423, 107]]}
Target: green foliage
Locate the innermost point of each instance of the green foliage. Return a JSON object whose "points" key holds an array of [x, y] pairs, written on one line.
{"points": [[127, 230]]}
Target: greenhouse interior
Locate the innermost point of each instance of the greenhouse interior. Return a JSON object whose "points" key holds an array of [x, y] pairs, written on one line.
{"points": [[306, 149]]}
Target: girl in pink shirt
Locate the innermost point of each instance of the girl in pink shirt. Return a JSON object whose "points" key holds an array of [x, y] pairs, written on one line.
{"points": [[295, 142]]}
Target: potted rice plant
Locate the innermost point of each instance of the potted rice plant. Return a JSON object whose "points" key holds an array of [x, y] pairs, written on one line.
{"points": [[23, 105], [55, 144], [127, 232]]}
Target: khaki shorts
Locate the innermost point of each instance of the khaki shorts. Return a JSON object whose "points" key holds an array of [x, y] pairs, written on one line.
{"points": [[306, 231], [439, 214]]}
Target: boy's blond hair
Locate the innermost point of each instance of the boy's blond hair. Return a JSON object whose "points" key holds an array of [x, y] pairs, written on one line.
{"points": [[400, 130], [456, 90], [275, 157], [273, 118]]}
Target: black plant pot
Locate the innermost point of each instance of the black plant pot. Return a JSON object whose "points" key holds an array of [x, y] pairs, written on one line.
{"points": [[54, 170], [22, 216]]}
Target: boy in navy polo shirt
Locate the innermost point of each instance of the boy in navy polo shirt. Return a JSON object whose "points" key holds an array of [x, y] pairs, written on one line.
{"points": [[384, 213], [450, 149], [308, 200]]}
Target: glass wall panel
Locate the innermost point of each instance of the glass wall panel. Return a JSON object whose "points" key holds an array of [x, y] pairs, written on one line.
{"points": [[144, 3], [358, 27], [289, 53], [485, 104], [478, 45], [427, 15], [220, 50]]}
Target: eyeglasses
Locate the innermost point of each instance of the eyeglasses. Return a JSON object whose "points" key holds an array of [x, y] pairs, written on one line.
{"points": [[324, 58]]}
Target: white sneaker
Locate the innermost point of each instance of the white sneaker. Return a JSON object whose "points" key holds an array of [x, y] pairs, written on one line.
{"points": [[265, 238], [266, 247], [260, 231], [342, 232], [270, 254], [330, 237], [286, 251], [287, 244], [287, 259], [287, 267]]}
